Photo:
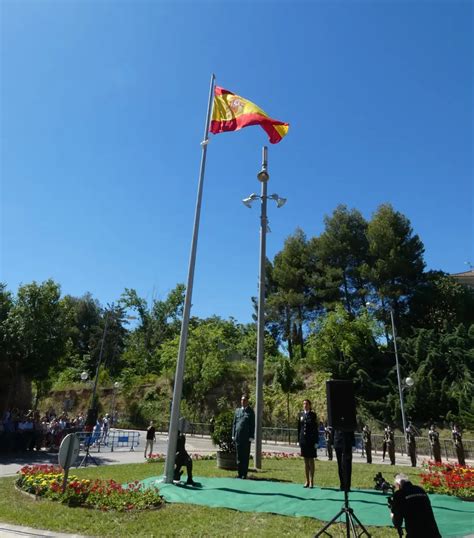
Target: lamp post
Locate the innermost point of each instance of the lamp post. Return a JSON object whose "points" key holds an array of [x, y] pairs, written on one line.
{"points": [[263, 176], [112, 413], [402, 385]]}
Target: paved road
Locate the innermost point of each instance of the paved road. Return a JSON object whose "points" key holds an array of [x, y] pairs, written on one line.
{"points": [[10, 464]]}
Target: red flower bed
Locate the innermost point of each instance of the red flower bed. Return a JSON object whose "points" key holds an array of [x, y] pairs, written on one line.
{"points": [[448, 478], [47, 481]]}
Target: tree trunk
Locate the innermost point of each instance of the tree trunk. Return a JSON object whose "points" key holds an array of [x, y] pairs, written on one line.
{"points": [[288, 415]]}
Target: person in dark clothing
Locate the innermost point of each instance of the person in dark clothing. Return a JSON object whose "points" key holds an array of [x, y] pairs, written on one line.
{"points": [[389, 444], [411, 443], [412, 505], [458, 446], [328, 438], [150, 439], [307, 439], [343, 443], [367, 440], [434, 444], [183, 458], [243, 431]]}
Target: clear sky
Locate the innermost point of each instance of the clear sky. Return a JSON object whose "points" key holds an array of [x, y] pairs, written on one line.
{"points": [[102, 114]]}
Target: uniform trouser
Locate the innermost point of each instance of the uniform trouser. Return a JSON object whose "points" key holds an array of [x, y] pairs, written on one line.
{"points": [[243, 455], [460, 455], [368, 452], [412, 454], [384, 449], [391, 453], [183, 458], [329, 449], [436, 449], [344, 468]]}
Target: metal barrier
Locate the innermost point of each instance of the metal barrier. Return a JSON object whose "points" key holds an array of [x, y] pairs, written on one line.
{"points": [[123, 439], [113, 439], [289, 436]]}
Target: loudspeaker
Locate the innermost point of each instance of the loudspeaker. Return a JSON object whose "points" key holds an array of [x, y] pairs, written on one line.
{"points": [[341, 405]]}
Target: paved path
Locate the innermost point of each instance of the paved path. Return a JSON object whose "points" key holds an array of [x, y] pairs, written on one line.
{"points": [[10, 464]]}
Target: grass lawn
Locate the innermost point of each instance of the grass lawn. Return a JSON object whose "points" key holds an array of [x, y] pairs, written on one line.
{"points": [[186, 520]]}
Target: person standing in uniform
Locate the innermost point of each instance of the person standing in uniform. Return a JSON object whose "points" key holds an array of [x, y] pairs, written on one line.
{"points": [[307, 439], [367, 440], [328, 438], [433, 436], [389, 444], [243, 431], [411, 442], [343, 443], [458, 446]]}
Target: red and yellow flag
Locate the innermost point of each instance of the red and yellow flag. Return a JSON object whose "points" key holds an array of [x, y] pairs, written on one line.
{"points": [[232, 112]]}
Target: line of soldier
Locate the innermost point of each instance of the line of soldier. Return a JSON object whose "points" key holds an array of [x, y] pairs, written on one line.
{"points": [[388, 444]]}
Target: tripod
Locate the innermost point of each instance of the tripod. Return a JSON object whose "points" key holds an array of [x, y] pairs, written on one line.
{"points": [[351, 521], [88, 456]]}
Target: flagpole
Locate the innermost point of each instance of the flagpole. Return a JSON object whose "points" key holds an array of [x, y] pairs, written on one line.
{"points": [[178, 379]]}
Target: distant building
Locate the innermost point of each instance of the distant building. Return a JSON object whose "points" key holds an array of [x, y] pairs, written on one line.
{"points": [[466, 278]]}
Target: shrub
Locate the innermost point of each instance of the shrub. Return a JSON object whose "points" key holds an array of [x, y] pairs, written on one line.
{"points": [[222, 434]]}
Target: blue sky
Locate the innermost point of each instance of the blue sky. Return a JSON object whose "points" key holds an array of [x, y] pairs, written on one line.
{"points": [[102, 113]]}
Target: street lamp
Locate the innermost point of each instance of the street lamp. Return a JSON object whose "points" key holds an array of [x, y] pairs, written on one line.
{"points": [[263, 176], [84, 376], [112, 413], [408, 381]]}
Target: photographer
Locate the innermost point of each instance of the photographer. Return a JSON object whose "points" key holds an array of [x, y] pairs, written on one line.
{"points": [[411, 503]]}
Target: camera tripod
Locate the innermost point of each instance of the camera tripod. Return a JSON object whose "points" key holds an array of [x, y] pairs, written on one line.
{"points": [[88, 455], [351, 521]]}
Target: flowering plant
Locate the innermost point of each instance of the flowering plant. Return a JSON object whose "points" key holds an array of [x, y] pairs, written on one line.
{"points": [[448, 478], [47, 481], [157, 458], [279, 455]]}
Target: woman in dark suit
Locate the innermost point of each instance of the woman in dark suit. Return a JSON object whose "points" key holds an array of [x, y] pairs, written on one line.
{"points": [[308, 437]]}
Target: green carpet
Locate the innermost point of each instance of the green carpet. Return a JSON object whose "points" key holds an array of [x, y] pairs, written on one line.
{"points": [[454, 517]]}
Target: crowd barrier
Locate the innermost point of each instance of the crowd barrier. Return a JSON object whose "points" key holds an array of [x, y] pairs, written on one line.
{"points": [[112, 440]]}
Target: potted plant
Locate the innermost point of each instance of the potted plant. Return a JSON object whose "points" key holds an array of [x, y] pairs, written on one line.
{"points": [[222, 437]]}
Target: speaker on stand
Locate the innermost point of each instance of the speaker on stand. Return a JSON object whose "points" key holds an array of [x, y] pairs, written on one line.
{"points": [[341, 411]]}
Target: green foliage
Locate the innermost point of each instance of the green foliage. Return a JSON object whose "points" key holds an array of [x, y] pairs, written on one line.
{"points": [[222, 434], [442, 365]]}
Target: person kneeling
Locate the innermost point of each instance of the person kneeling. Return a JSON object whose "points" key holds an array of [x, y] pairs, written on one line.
{"points": [[183, 458], [412, 504]]}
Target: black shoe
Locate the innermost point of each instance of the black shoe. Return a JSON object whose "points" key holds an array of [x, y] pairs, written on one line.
{"points": [[190, 482]]}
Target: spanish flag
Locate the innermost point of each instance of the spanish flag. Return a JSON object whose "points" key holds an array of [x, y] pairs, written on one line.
{"points": [[232, 112]]}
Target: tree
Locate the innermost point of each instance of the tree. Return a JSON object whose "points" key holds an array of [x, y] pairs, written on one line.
{"points": [[442, 364], [290, 298], [36, 328], [345, 346], [395, 265], [440, 302], [286, 377], [342, 250]]}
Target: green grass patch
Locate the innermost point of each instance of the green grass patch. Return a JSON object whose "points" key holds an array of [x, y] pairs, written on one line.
{"points": [[186, 520]]}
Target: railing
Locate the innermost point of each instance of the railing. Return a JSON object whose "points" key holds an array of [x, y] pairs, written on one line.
{"points": [[113, 439]]}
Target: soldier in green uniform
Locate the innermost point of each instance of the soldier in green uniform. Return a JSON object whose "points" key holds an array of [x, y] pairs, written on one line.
{"points": [[434, 444], [389, 444], [458, 446], [243, 428], [411, 442], [367, 440]]}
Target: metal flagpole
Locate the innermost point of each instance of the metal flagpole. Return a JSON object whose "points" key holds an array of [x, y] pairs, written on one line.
{"points": [[178, 379], [263, 178]]}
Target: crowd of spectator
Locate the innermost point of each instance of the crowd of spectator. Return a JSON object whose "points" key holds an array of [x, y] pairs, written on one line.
{"points": [[33, 430]]}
